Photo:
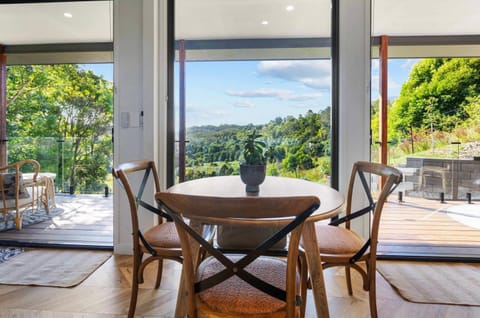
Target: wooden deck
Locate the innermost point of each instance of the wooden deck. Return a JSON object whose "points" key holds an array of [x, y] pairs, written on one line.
{"points": [[421, 227], [87, 222], [415, 227]]}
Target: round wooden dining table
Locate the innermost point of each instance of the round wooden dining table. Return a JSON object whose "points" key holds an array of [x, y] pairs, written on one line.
{"points": [[331, 204]]}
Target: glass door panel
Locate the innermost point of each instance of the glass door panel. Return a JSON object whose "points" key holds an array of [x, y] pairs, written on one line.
{"points": [[252, 65], [432, 124]]}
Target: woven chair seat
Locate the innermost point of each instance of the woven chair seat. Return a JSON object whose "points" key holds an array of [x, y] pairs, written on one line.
{"points": [[235, 296], [337, 240], [163, 235]]}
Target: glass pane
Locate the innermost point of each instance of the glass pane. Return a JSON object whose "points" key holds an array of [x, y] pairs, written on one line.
{"points": [[62, 116], [253, 65], [433, 136]]}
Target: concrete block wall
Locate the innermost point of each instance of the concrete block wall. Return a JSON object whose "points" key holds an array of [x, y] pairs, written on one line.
{"points": [[455, 178]]}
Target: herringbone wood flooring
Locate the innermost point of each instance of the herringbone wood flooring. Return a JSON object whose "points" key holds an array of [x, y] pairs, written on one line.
{"points": [[105, 294]]}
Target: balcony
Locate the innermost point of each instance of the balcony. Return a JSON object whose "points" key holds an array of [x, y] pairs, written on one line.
{"points": [[86, 222]]}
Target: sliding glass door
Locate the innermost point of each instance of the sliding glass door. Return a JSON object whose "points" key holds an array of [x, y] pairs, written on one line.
{"points": [[425, 119]]}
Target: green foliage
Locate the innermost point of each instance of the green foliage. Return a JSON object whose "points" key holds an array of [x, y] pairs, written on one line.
{"points": [[436, 93], [439, 103], [293, 147], [68, 113], [254, 149]]}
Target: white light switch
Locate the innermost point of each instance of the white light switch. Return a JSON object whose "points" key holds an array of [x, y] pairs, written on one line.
{"points": [[124, 119], [131, 119]]}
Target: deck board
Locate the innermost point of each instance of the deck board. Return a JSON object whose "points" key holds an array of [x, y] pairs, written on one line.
{"points": [[423, 227], [87, 222]]}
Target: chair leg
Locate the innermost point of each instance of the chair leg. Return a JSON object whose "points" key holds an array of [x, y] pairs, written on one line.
{"points": [[372, 294], [349, 279], [159, 273], [135, 282], [133, 299], [18, 222], [304, 283]]}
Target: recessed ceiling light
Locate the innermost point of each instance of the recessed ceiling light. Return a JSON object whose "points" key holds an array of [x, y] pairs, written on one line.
{"points": [[264, 22], [67, 15], [289, 8]]}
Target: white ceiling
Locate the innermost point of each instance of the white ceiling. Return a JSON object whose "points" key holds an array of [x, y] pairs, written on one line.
{"points": [[242, 19], [425, 17], [45, 23], [91, 21]]}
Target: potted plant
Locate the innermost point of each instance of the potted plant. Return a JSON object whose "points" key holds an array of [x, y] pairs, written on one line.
{"points": [[254, 164]]}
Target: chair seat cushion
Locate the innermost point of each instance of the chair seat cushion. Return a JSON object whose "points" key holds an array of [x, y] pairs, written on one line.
{"points": [[163, 235], [11, 203], [236, 296], [9, 180], [337, 240]]}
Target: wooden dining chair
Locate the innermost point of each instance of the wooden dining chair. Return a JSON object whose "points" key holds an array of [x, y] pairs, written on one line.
{"points": [[340, 245], [246, 283], [158, 242]]}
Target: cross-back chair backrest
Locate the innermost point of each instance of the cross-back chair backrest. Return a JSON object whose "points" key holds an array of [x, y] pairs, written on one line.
{"points": [[359, 179], [288, 213], [139, 173]]}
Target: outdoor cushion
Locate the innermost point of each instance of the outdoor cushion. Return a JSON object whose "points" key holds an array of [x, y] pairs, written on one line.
{"points": [[9, 186]]}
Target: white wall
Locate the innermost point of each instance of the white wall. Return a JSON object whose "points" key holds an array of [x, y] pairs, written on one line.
{"points": [[137, 63], [140, 84], [354, 87]]}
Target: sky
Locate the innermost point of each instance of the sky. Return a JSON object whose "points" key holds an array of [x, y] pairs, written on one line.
{"points": [[102, 69], [259, 91], [244, 92]]}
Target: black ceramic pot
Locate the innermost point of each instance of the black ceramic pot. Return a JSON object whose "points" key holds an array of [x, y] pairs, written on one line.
{"points": [[252, 176]]}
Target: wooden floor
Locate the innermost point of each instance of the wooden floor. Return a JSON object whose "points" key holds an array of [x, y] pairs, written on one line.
{"points": [[425, 227], [87, 222], [105, 294]]}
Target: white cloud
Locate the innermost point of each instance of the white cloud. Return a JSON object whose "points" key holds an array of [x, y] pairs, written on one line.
{"points": [[261, 92], [204, 112], [409, 63], [271, 93], [312, 73], [302, 97], [244, 104]]}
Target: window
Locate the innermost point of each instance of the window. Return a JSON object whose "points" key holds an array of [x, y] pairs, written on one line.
{"points": [[241, 66]]}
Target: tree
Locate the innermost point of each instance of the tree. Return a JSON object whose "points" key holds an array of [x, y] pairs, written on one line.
{"points": [[67, 104], [437, 91], [85, 103]]}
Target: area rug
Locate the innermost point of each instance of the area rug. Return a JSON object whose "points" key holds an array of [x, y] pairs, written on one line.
{"points": [[429, 282], [8, 252], [29, 218], [51, 267]]}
